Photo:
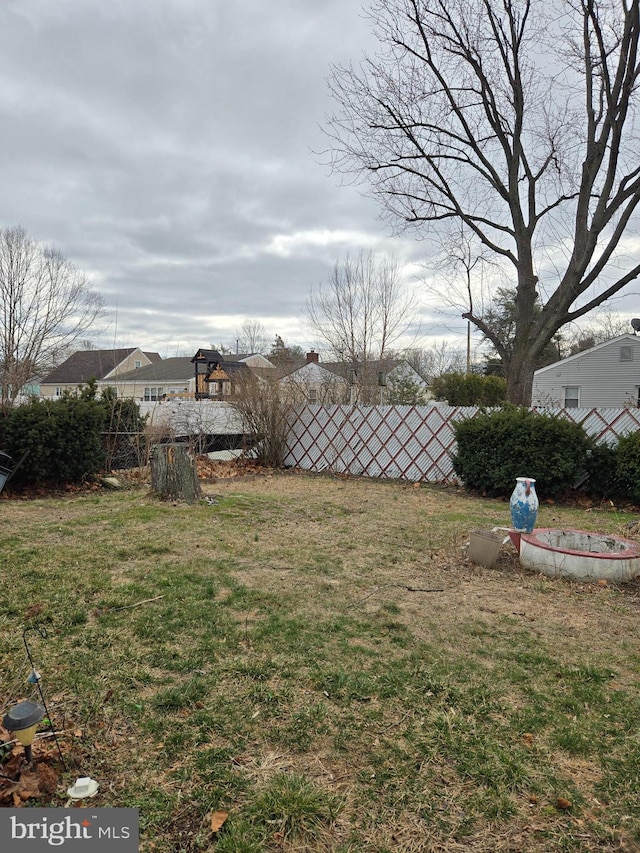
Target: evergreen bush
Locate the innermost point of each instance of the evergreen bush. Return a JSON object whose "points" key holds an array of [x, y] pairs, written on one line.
{"points": [[496, 447], [473, 390], [628, 466], [63, 437], [602, 465]]}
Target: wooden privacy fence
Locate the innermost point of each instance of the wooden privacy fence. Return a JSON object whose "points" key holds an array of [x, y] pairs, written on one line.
{"points": [[409, 442]]}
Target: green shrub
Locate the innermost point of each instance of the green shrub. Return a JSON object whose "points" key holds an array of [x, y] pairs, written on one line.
{"points": [[628, 466], [602, 464], [473, 390], [496, 447], [63, 437]]}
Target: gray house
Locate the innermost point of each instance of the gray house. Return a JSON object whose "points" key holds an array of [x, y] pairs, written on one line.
{"points": [[607, 374]]}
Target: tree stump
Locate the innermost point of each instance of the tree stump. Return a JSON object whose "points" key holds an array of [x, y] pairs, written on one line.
{"points": [[173, 473]]}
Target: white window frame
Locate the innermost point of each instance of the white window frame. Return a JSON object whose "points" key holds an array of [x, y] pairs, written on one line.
{"points": [[152, 393], [569, 400]]}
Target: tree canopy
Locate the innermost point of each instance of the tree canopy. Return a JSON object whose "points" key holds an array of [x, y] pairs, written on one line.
{"points": [[515, 122], [46, 305]]}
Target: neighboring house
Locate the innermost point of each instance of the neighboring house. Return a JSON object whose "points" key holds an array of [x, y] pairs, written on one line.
{"points": [[342, 382], [207, 376], [607, 374], [98, 364], [254, 360], [162, 379], [314, 383]]}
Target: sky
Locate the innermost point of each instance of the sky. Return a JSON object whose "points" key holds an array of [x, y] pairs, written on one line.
{"points": [[171, 149]]}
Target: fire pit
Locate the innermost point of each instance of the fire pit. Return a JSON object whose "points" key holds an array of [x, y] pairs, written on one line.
{"points": [[576, 553]]}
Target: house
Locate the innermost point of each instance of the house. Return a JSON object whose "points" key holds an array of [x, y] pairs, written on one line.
{"points": [[254, 360], [167, 378], [314, 383], [607, 374], [98, 364], [373, 382]]}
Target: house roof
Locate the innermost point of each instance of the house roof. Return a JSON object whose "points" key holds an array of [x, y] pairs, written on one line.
{"points": [[208, 355], [632, 339], [234, 369], [84, 365], [372, 368], [179, 369], [312, 371], [166, 370], [238, 356]]}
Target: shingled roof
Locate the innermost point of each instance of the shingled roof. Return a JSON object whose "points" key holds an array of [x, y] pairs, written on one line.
{"points": [[84, 365], [176, 369]]}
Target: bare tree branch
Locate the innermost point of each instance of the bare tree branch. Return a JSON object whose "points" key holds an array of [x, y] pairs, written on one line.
{"points": [[517, 121], [46, 306]]}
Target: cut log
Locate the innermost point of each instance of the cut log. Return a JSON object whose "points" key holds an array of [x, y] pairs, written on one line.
{"points": [[173, 473]]}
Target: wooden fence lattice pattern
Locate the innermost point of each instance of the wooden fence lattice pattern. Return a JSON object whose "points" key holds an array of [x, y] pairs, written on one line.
{"points": [[409, 442]]}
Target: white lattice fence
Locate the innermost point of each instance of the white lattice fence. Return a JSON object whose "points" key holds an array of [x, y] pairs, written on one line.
{"points": [[408, 442]]}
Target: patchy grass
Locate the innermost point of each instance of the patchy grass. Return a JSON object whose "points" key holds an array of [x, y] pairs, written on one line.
{"points": [[318, 658]]}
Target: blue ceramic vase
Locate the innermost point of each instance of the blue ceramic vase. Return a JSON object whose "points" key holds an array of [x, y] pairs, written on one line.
{"points": [[524, 505]]}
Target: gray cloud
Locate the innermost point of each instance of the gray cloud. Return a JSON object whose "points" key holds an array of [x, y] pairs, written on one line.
{"points": [[166, 147]]}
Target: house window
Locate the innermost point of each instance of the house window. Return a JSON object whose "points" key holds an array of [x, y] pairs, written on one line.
{"points": [[626, 353], [58, 391], [313, 395], [152, 393], [571, 397], [137, 365]]}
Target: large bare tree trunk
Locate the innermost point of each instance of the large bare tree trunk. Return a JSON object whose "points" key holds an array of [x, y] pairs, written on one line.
{"points": [[514, 123], [173, 473]]}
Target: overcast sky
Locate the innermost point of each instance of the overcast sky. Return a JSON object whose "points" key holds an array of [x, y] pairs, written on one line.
{"points": [[166, 147]]}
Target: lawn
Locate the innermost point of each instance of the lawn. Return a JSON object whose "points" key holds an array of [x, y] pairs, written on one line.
{"points": [[317, 659]]}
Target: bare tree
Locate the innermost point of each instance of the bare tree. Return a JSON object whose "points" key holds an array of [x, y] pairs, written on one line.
{"points": [[363, 310], [266, 413], [441, 357], [252, 337], [45, 307], [602, 327], [516, 120]]}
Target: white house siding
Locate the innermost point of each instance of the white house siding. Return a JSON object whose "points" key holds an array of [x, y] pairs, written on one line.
{"points": [[129, 363], [603, 379]]}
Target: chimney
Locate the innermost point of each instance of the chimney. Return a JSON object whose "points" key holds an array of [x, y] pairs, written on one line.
{"points": [[312, 357]]}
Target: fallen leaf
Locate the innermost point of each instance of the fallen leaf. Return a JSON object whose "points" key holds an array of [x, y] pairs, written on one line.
{"points": [[218, 820], [563, 804], [527, 739]]}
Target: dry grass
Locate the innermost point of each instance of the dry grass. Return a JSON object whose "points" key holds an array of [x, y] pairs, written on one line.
{"points": [[318, 657]]}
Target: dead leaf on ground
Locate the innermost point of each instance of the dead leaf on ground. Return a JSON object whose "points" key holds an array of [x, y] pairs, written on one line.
{"points": [[218, 819]]}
